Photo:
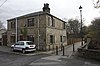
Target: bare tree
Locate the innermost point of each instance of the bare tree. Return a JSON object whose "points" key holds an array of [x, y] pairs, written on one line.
{"points": [[96, 3]]}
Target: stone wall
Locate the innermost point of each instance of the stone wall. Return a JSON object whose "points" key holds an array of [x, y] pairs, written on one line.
{"points": [[56, 31], [88, 53]]}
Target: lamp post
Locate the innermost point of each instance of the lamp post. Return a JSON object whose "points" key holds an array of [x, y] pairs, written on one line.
{"points": [[81, 30]]}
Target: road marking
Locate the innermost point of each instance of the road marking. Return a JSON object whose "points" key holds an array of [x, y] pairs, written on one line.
{"points": [[50, 60], [55, 58]]}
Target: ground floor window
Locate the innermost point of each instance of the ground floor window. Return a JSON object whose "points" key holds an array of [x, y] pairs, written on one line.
{"points": [[21, 38], [30, 38], [52, 39], [64, 38], [12, 39], [61, 38]]}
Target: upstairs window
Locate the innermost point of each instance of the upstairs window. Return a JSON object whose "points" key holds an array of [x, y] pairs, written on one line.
{"points": [[30, 22], [51, 21], [13, 25], [64, 25]]}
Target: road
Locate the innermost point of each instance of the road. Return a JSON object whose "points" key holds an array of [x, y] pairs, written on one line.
{"points": [[9, 59], [63, 61], [68, 60], [12, 59]]}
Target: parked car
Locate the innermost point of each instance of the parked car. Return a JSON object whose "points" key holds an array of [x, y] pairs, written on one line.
{"points": [[24, 46]]}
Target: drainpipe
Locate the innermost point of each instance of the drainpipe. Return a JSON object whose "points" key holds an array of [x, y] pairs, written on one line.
{"points": [[16, 29], [38, 33], [66, 33]]}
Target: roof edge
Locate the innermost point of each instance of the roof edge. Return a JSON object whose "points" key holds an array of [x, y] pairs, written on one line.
{"points": [[35, 13]]}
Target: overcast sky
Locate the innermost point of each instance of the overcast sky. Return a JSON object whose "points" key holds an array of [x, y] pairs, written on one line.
{"points": [[60, 8]]}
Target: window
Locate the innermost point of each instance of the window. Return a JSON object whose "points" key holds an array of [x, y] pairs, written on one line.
{"points": [[30, 38], [52, 39], [13, 25], [51, 21], [30, 43], [30, 22], [21, 38], [61, 39], [64, 38], [64, 25], [21, 43], [48, 21], [17, 43], [12, 39]]}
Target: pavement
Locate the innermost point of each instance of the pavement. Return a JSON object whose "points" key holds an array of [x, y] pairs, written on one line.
{"points": [[68, 50]]}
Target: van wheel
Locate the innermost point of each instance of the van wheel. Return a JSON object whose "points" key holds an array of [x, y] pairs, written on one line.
{"points": [[23, 51]]}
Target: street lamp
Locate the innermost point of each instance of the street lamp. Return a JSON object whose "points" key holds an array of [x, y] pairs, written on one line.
{"points": [[81, 31]]}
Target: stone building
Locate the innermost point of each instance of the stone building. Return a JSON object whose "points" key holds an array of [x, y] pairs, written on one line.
{"points": [[43, 28]]}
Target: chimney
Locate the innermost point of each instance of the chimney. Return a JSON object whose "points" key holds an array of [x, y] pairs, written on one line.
{"points": [[46, 8]]}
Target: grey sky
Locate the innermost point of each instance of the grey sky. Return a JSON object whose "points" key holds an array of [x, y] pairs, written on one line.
{"points": [[60, 8]]}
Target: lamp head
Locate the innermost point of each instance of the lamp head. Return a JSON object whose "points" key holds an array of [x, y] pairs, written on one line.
{"points": [[80, 7]]}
